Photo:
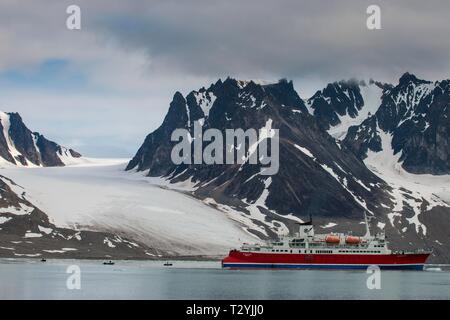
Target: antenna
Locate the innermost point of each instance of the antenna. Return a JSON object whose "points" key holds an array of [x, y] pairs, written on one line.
{"points": [[306, 223], [367, 235], [300, 203]]}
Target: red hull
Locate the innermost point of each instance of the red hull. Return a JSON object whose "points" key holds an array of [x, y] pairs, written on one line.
{"points": [[269, 260]]}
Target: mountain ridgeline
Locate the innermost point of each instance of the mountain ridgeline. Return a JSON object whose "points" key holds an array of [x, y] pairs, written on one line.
{"points": [[416, 116], [316, 174], [26, 231], [324, 142], [22, 147], [413, 115]]}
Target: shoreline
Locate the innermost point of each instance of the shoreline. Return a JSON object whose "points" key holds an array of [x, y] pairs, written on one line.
{"points": [[162, 258], [442, 266]]}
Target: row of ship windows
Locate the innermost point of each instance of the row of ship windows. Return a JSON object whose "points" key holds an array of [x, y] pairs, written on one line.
{"points": [[306, 251], [360, 251], [330, 251], [302, 245]]}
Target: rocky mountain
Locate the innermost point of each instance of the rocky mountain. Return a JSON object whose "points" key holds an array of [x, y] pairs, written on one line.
{"points": [[26, 231], [343, 104], [413, 118], [315, 174], [318, 174], [399, 131], [22, 147]]}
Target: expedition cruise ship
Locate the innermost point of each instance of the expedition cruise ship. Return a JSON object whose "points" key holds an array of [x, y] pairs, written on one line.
{"points": [[337, 251]]}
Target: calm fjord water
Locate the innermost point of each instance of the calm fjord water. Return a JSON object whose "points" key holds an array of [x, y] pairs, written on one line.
{"points": [[32, 279]]}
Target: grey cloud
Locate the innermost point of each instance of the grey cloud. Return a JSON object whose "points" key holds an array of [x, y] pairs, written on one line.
{"points": [[250, 39], [287, 38], [136, 54]]}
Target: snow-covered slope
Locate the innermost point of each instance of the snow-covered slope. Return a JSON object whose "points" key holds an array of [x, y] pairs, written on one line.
{"points": [[101, 196], [422, 201], [21, 147], [329, 183], [371, 94], [416, 114], [344, 104], [317, 175], [25, 231], [411, 189]]}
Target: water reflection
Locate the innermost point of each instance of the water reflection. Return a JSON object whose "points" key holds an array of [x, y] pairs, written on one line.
{"points": [[32, 279]]}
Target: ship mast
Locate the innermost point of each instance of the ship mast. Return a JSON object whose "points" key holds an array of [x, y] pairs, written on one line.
{"points": [[367, 235]]}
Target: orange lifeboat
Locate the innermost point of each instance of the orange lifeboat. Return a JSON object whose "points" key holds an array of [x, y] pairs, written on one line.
{"points": [[352, 240], [331, 238]]}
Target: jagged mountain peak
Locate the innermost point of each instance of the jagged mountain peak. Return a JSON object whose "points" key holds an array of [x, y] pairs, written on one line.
{"points": [[414, 117], [345, 103], [222, 104], [178, 96], [317, 175], [247, 94], [328, 173], [409, 93], [407, 78], [251, 83], [241, 83], [20, 146]]}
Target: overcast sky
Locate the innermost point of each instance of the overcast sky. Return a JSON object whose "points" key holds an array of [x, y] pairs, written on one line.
{"points": [[102, 89]]}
